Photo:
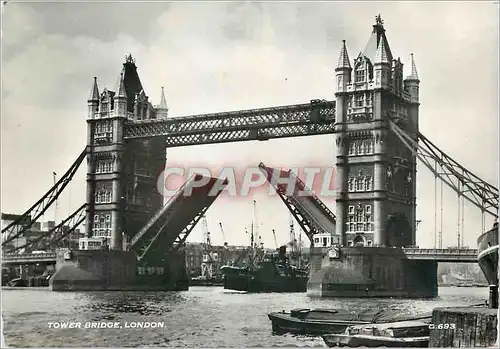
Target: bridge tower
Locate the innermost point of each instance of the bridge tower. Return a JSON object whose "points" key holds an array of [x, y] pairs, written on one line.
{"points": [[376, 173], [122, 174]]}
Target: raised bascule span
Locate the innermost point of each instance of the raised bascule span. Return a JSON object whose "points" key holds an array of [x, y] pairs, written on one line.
{"points": [[311, 213], [169, 228]]}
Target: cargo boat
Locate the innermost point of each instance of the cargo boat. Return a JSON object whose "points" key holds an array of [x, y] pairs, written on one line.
{"points": [[403, 334], [327, 321], [270, 274]]}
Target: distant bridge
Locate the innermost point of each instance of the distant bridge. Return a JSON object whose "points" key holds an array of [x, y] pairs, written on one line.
{"points": [[438, 255], [29, 258], [442, 255]]}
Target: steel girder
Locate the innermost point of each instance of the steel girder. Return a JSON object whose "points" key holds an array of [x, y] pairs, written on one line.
{"points": [[56, 234], [26, 220], [309, 224], [476, 190], [317, 117], [160, 225]]}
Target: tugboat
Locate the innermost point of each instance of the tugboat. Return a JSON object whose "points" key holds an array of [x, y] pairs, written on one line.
{"points": [[270, 273]]}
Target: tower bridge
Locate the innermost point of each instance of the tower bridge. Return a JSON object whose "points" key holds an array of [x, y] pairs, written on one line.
{"points": [[374, 119]]}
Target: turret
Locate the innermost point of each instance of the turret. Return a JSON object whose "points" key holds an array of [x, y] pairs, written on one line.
{"points": [[93, 101], [382, 66], [412, 82], [162, 109], [343, 70], [120, 98]]}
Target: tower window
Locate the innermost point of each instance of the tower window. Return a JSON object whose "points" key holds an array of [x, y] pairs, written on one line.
{"points": [[368, 147], [368, 183], [351, 210], [352, 150], [360, 75], [359, 184], [368, 209], [351, 184], [360, 100]]}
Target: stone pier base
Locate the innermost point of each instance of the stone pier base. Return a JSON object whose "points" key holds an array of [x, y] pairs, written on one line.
{"points": [[87, 270], [370, 272], [463, 328]]}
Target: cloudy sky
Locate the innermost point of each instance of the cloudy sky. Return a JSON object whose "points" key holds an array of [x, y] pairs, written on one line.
{"points": [[226, 56]]}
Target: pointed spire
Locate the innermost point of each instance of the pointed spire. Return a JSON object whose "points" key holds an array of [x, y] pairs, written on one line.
{"points": [[413, 75], [94, 92], [382, 55], [163, 100], [343, 57], [120, 90]]}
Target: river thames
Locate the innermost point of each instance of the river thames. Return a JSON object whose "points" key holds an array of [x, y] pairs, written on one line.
{"points": [[201, 317]]}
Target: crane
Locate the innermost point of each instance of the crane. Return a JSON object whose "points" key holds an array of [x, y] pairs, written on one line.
{"points": [[223, 234], [207, 266], [275, 241], [293, 240]]}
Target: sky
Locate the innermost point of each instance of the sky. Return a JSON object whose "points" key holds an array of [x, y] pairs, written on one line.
{"points": [[214, 57]]}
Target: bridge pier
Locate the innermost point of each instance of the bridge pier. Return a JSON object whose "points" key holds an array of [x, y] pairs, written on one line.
{"points": [[91, 270], [371, 272]]}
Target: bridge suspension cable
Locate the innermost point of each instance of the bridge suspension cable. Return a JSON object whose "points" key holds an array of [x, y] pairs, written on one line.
{"points": [[71, 222], [28, 218], [476, 190]]}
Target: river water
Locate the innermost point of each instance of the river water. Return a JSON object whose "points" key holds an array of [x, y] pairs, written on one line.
{"points": [[201, 317]]}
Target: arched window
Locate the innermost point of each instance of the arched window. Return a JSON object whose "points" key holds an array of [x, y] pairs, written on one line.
{"points": [[359, 184], [360, 73]]}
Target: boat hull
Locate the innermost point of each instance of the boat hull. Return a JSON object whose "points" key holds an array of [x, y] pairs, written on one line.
{"points": [[487, 258], [345, 340], [242, 279], [282, 323]]}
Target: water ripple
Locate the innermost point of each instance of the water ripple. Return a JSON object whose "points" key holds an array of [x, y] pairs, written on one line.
{"points": [[202, 317]]}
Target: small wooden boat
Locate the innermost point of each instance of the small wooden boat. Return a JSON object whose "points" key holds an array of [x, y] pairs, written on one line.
{"points": [[403, 334], [325, 321]]}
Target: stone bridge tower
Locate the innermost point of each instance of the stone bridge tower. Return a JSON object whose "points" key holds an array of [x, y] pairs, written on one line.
{"points": [[122, 174], [376, 173]]}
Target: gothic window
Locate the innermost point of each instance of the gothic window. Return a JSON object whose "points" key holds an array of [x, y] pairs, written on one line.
{"points": [[360, 74], [351, 184], [107, 222], [368, 209], [351, 148], [351, 210], [104, 166], [359, 184], [360, 100], [368, 183], [368, 147], [357, 148], [103, 195]]}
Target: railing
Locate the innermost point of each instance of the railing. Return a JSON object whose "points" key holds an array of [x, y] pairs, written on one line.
{"points": [[13, 257], [441, 251]]}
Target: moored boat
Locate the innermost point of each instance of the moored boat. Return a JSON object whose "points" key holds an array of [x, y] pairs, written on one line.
{"points": [[270, 274], [326, 321], [487, 246], [402, 334]]}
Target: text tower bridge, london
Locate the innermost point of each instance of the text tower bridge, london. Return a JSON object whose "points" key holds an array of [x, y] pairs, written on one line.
{"points": [[375, 120]]}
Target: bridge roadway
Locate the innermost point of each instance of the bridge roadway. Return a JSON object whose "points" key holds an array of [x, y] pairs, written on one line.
{"points": [[438, 255]]}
